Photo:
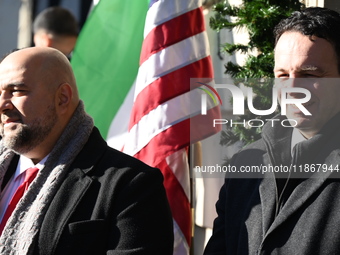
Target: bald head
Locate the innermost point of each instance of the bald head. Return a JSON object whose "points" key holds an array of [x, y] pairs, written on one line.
{"points": [[38, 96], [50, 65]]}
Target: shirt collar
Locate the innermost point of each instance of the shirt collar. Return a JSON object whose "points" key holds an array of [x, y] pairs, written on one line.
{"points": [[25, 163]]}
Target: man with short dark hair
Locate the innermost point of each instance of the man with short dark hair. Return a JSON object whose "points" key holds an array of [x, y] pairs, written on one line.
{"points": [[298, 211], [56, 27], [63, 190]]}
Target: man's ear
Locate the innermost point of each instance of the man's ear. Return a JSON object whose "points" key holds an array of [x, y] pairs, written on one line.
{"points": [[64, 97], [42, 39]]}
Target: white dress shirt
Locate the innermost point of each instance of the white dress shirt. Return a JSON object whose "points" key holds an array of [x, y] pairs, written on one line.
{"points": [[12, 185]]}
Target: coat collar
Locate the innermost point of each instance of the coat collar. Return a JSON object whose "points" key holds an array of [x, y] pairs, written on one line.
{"points": [[322, 149], [91, 152]]}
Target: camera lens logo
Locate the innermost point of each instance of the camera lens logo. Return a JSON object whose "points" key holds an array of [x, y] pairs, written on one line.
{"points": [[211, 95]]}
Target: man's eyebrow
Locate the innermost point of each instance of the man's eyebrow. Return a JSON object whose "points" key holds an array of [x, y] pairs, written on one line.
{"points": [[302, 69], [278, 70], [12, 85], [310, 68]]}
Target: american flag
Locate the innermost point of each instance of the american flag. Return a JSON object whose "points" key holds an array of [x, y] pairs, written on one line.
{"points": [[175, 49]]}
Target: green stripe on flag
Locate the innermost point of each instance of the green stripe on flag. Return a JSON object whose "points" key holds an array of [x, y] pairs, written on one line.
{"points": [[106, 57]]}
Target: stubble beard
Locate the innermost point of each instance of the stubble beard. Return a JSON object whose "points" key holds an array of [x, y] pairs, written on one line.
{"points": [[29, 136]]}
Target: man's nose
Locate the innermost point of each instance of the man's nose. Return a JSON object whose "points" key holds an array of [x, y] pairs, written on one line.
{"points": [[5, 103], [296, 83], [293, 82]]}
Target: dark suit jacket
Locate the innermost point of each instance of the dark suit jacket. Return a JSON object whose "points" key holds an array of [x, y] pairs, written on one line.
{"points": [[109, 203]]}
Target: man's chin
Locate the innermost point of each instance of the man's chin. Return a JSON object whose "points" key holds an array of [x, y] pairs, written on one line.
{"points": [[17, 149], [306, 126], [300, 121], [12, 143]]}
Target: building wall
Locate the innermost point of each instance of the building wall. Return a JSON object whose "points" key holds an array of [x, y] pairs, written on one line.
{"points": [[16, 20], [332, 4], [319, 3], [9, 20]]}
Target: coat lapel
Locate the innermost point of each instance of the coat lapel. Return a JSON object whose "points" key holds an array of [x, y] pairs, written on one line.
{"points": [[62, 207], [268, 201], [305, 190], [70, 193], [278, 154], [322, 148]]}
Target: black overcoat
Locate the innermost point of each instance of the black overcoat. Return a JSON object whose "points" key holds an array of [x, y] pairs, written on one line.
{"points": [[109, 203]]}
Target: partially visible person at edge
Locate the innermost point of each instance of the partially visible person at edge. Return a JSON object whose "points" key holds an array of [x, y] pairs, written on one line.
{"points": [[86, 198], [291, 212], [56, 27]]}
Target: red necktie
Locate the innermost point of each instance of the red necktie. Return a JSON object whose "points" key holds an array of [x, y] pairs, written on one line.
{"points": [[30, 174]]}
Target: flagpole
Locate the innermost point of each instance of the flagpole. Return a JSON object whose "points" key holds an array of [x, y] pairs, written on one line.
{"points": [[195, 159]]}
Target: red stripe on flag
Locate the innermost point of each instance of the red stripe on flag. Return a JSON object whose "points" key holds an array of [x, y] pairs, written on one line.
{"points": [[164, 144], [171, 32], [179, 203], [167, 87], [179, 136]]}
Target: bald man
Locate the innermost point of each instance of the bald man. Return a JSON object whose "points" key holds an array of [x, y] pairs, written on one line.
{"points": [[86, 198]]}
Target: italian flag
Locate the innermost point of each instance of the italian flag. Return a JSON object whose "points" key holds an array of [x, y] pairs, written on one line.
{"points": [[105, 62]]}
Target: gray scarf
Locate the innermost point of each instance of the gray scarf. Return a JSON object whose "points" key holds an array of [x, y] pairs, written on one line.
{"points": [[20, 232]]}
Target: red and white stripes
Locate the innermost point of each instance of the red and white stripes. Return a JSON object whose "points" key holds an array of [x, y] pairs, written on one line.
{"points": [[175, 49]]}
